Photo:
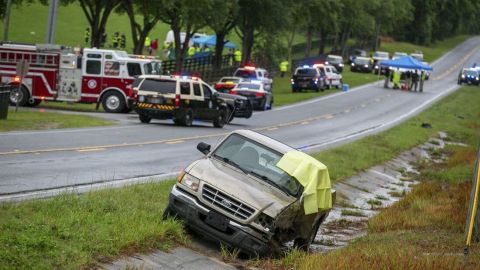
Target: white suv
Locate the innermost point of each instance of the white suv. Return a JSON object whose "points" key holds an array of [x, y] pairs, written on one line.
{"points": [[332, 76], [254, 73]]}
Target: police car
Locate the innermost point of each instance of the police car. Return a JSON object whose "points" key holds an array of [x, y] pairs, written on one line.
{"points": [[254, 73], [469, 76], [225, 84], [378, 57], [261, 98], [183, 99], [336, 61], [307, 77]]}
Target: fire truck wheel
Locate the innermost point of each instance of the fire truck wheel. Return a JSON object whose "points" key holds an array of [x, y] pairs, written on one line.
{"points": [[113, 102], [22, 96], [34, 103]]}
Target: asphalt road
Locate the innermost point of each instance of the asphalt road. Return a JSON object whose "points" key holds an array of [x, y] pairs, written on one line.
{"points": [[36, 162]]}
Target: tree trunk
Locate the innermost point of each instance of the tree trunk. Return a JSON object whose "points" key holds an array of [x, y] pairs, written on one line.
{"points": [[247, 44], [321, 46], [290, 43], [308, 45], [178, 44], [335, 42], [219, 49]]}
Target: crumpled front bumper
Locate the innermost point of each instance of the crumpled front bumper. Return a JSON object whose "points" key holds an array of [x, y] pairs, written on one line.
{"points": [[186, 207]]}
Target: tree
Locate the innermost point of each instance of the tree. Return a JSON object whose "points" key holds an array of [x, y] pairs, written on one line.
{"points": [[222, 25], [267, 16], [186, 15], [150, 16], [97, 13]]}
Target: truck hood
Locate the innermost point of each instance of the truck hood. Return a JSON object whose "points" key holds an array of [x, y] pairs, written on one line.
{"points": [[245, 188], [230, 96]]}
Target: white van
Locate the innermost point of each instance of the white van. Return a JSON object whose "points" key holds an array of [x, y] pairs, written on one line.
{"points": [[332, 76]]}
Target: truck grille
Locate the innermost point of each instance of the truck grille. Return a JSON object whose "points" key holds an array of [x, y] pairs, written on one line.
{"points": [[226, 202]]}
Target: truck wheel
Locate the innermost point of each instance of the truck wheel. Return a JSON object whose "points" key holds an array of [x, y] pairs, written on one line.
{"points": [[34, 103], [221, 118], [113, 102], [144, 119], [21, 95], [304, 243], [187, 119]]}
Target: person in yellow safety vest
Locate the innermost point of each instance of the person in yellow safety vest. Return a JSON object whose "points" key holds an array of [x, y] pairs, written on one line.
{"points": [[396, 79], [422, 79], [87, 35], [191, 52], [283, 68], [197, 49], [146, 45], [206, 49], [237, 56]]}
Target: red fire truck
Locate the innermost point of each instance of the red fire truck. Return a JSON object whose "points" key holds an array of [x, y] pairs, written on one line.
{"points": [[55, 73]]}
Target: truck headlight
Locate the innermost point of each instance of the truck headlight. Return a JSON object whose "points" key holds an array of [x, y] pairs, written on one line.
{"points": [[266, 222], [141, 98], [463, 76], [189, 181]]}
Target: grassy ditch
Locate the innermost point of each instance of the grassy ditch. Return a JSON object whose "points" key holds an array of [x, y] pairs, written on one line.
{"points": [[425, 229], [36, 120], [80, 107], [72, 231]]}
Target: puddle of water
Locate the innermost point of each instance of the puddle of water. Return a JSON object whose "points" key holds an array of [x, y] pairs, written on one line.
{"points": [[362, 196]]}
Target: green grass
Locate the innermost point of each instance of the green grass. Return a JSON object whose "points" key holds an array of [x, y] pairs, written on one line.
{"points": [[35, 120], [74, 231], [425, 224], [62, 105], [282, 92]]}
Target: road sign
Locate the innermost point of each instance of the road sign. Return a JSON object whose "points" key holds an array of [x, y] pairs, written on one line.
{"points": [[22, 68]]}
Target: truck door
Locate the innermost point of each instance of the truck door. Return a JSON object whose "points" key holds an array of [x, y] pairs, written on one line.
{"points": [[92, 75]]}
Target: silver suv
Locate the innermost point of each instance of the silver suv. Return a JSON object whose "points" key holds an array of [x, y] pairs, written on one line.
{"points": [[237, 195]]}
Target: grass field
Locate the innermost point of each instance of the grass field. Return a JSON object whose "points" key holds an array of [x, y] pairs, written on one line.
{"points": [[35, 120], [80, 230]]}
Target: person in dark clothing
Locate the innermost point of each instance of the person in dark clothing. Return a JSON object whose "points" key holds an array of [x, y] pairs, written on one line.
{"points": [[415, 78]]}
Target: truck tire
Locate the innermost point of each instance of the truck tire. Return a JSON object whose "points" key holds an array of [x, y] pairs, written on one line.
{"points": [[221, 118], [187, 118], [34, 102], [304, 243], [113, 102], [23, 96], [144, 118]]}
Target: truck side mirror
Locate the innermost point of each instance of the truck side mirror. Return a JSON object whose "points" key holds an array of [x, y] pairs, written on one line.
{"points": [[204, 148]]}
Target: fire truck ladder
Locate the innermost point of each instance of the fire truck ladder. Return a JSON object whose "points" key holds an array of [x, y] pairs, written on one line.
{"points": [[34, 58]]}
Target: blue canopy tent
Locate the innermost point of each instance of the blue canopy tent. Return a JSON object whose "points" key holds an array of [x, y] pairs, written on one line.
{"points": [[211, 41], [406, 62]]}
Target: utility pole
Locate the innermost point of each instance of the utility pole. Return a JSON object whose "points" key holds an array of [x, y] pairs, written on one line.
{"points": [[6, 20], [52, 18]]}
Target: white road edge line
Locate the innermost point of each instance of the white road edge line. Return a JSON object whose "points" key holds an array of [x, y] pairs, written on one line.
{"points": [[82, 188]]}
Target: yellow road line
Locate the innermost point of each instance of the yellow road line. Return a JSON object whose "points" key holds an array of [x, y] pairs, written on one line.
{"points": [[87, 150], [175, 142]]}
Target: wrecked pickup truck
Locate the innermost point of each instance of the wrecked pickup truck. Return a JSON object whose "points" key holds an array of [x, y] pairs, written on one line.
{"points": [[241, 194]]}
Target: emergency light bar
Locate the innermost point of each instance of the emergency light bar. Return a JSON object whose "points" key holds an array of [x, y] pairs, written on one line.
{"points": [[249, 67]]}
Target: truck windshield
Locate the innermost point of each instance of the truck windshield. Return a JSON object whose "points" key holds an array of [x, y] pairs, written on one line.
{"points": [[362, 61], [257, 160], [334, 60], [161, 86], [249, 86], [245, 73], [306, 71], [152, 68]]}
